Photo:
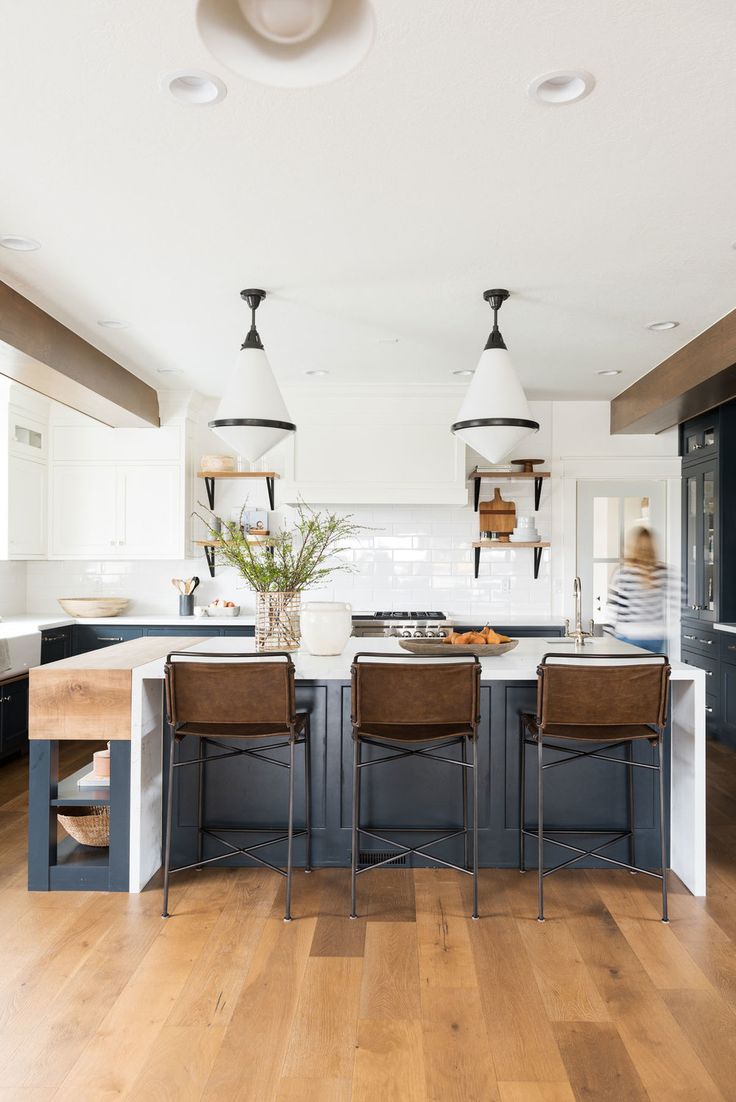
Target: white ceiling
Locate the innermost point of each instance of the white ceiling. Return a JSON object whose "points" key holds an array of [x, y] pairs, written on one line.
{"points": [[380, 206]]}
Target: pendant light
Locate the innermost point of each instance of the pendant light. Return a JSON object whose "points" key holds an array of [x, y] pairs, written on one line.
{"points": [[495, 414], [252, 416]]}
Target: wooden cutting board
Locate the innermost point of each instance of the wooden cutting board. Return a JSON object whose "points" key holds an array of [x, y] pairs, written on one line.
{"points": [[497, 516]]}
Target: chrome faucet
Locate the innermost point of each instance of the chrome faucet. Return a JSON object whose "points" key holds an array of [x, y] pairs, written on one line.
{"points": [[578, 634]]}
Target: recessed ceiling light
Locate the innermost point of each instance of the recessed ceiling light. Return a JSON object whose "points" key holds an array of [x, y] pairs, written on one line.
{"points": [[609, 372], [561, 87], [463, 372], [658, 326], [194, 87], [112, 323], [19, 244], [316, 373]]}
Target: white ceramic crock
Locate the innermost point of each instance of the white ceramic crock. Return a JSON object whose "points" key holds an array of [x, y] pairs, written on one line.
{"points": [[326, 626]]}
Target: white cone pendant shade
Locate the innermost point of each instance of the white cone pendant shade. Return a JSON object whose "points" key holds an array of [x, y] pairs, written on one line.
{"points": [[252, 416], [495, 415]]}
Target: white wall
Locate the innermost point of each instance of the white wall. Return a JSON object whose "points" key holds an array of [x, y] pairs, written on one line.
{"points": [[420, 556]]}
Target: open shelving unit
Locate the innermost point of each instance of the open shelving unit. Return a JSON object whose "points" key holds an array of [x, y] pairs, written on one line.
{"points": [[67, 865], [210, 478], [538, 478]]}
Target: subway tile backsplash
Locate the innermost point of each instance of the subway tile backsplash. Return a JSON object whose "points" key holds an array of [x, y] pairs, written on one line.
{"points": [[418, 557]]}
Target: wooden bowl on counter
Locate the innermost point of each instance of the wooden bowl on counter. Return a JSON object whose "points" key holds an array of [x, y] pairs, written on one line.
{"points": [[432, 646], [97, 607]]}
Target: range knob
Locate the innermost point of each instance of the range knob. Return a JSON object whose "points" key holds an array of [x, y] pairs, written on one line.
{"points": [[406, 634], [441, 633], [418, 634], [431, 633]]}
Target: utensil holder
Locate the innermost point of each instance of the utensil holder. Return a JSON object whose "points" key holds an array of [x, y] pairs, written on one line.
{"points": [[186, 604]]}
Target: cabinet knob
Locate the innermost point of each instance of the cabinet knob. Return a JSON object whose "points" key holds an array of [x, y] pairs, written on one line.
{"points": [[708, 708]]}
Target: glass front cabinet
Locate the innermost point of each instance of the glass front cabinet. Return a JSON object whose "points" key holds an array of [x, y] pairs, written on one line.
{"points": [[700, 516]]}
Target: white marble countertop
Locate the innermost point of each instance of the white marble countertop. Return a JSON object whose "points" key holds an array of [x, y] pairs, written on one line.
{"points": [[519, 664], [20, 625]]}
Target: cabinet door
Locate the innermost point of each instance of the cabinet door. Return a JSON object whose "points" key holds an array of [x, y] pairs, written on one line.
{"points": [[83, 512], [26, 508], [56, 645], [14, 715], [709, 536], [151, 524], [691, 543], [700, 541]]}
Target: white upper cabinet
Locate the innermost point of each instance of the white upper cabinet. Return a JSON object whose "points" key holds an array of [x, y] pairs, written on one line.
{"points": [[117, 493], [23, 485], [372, 445]]}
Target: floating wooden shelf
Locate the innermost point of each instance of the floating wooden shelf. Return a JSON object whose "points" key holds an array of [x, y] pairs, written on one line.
{"points": [[537, 478], [210, 477], [478, 545]]}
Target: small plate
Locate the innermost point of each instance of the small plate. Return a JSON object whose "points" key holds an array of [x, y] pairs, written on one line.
{"points": [[431, 646]]}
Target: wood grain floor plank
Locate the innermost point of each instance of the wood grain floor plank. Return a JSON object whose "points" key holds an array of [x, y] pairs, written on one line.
{"points": [[445, 953], [248, 1064], [536, 1092], [663, 1058], [710, 1025], [389, 1062], [520, 1035], [314, 1090], [597, 1062], [390, 982], [457, 1058], [336, 934], [178, 1065], [323, 1034]]}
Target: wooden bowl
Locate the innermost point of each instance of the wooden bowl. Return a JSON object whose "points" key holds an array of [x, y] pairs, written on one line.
{"points": [[97, 607], [432, 646]]}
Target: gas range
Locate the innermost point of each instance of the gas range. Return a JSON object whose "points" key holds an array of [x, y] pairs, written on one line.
{"points": [[402, 623]]}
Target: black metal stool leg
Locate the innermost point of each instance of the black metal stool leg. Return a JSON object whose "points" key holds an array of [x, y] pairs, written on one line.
{"points": [[169, 819], [662, 837], [308, 793], [632, 807], [522, 795], [540, 827], [464, 771], [356, 817], [200, 800], [290, 842], [475, 825]]}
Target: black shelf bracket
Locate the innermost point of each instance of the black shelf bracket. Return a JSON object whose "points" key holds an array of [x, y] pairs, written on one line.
{"points": [[209, 554], [537, 561], [476, 551], [537, 494], [476, 493]]}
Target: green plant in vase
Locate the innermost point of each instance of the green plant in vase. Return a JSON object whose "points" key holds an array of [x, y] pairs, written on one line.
{"points": [[280, 567]]}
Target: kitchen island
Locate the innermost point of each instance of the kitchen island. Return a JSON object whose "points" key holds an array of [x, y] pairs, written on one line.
{"points": [[411, 792]]}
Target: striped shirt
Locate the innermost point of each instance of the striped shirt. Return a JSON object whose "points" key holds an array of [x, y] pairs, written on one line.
{"points": [[639, 610]]}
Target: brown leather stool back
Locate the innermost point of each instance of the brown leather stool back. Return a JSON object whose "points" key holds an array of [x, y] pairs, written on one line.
{"points": [[415, 694], [253, 690], [588, 693]]}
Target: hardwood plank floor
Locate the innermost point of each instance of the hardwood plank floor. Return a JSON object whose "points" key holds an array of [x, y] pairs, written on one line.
{"points": [[413, 1002]]}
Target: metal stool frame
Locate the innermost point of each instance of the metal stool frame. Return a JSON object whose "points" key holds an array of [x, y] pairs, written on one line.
{"points": [[426, 751], [601, 752], [259, 753]]}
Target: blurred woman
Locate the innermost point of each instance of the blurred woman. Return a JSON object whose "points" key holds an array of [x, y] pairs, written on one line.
{"points": [[640, 594]]}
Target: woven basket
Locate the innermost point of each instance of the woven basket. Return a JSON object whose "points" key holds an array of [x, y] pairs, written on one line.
{"points": [[88, 825]]}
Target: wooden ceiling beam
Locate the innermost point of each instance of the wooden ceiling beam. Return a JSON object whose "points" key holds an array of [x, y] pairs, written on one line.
{"points": [[42, 354], [695, 379]]}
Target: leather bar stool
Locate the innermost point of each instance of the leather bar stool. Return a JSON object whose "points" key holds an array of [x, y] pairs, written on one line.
{"points": [[415, 708], [601, 707], [225, 700]]}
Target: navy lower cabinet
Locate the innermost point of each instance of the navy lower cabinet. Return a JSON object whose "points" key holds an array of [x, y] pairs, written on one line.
{"points": [[87, 637], [56, 644], [414, 792], [13, 716]]}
